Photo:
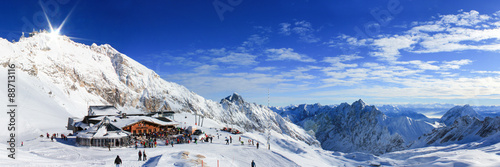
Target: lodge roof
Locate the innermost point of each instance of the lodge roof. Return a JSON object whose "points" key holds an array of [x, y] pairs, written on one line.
{"points": [[105, 128]]}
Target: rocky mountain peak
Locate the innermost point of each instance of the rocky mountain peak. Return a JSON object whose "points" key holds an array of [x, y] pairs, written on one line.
{"points": [[234, 98], [459, 111]]}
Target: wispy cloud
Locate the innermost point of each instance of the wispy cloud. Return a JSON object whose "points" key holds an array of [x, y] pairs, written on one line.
{"points": [[303, 29], [287, 54], [337, 63], [264, 68], [237, 59]]}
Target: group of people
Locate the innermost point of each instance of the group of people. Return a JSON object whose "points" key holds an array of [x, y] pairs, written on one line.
{"points": [[54, 136], [143, 155], [148, 143]]}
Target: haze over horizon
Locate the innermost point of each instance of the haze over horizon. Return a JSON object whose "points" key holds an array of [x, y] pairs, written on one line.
{"points": [[385, 52]]}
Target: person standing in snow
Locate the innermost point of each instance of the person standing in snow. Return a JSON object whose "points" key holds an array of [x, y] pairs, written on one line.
{"points": [[144, 155], [140, 155], [257, 145], [239, 139], [118, 161], [230, 139], [253, 163]]}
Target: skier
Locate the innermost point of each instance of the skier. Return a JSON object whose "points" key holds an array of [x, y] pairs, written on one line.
{"points": [[253, 163], [140, 155], [22, 143], [257, 145], [242, 142], [227, 141], [118, 161], [172, 143], [144, 155], [195, 139], [239, 139], [230, 139], [211, 138]]}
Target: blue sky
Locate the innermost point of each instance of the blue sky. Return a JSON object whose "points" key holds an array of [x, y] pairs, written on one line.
{"points": [[384, 52]]}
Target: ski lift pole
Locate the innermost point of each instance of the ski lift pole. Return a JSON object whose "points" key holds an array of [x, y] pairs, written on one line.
{"points": [[202, 119]]}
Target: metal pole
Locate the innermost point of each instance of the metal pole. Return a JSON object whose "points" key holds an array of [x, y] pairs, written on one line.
{"points": [[202, 119]]}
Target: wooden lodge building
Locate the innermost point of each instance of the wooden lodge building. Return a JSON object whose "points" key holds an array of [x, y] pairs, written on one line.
{"points": [[135, 123]]}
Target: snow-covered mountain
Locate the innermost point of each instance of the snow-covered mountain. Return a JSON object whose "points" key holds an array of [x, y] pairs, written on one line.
{"points": [[297, 113], [457, 112], [253, 116], [357, 127], [60, 78], [463, 125]]}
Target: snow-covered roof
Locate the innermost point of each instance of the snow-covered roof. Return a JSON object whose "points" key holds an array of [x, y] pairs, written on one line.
{"points": [[103, 129], [134, 119], [103, 110], [81, 125]]}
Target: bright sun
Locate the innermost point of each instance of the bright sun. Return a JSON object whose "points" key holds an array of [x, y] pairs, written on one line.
{"points": [[56, 32]]}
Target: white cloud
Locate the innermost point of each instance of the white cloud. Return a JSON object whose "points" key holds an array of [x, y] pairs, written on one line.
{"points": [[205, 69], [299, 73], [264, 68], [463, 19], [455, 64], [388, 47], [285, 28], [486, 72], [237, 59], [303, 29], [337, 62], [187, 61], [255, 40], [428, 65], [287, 54]]}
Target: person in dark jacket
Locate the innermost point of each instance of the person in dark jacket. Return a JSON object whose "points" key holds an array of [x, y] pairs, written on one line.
{"points": [[118, 161], [144, 155], [253, 163], [140, 155]]}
